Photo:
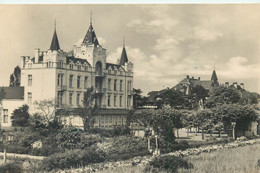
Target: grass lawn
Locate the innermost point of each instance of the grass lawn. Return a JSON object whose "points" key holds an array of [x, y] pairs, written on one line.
{"points": [[236, 160]]}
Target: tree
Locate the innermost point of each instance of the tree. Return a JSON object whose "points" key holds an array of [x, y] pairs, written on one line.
{"points": [[138, 99], [87, 112], [2, 94], [199, 93], [47, 109], [172, 98], [242, 115], [15, 77], [143, 117], [20, 116]]}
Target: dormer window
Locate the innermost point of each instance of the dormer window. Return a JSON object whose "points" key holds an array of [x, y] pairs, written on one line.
{"points": [[79, 67], [115, 72], [60, 64], [109, 71], [49, 64], [86, 68], [71, 66]]}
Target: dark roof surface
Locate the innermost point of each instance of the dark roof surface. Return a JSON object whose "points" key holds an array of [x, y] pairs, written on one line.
{"points": [[91, 36], [55, 42], [14, 92], [123, 58], [206, 84], [73, 59]]}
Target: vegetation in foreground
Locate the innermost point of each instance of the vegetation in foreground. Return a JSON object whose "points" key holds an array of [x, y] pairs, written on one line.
{"points": [[243, 159]]}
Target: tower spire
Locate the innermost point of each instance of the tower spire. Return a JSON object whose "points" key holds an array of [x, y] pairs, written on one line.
{"points": [[91, 17], [55, 42], [124, 41]]}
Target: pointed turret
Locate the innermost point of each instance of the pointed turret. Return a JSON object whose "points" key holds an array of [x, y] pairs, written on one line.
{"points": [[123, 58], [214, 78], [55, 42], [91, 37]]}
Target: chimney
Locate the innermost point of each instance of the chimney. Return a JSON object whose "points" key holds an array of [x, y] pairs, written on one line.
{"points": [[242, 85], [187, 77], [36, 52], [227, 84], [235, 84], [199, 78], [23, 60]]}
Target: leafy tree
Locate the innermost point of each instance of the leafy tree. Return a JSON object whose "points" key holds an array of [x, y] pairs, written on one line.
{"points": [[204, 120], [172, 98], [138, 99], [199, 94], [15, 77], [20, 116], [2, 94], [68, 138], [88, 109], [47, 109], [143, 117], [242, 115]]}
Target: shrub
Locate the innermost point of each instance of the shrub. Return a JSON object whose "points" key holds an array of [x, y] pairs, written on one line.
{"points": [[73, 158], [125, 147], [11, 167], [167, 163]]}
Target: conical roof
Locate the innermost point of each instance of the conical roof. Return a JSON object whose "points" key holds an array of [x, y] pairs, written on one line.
{"points": [[91, 37], [55, 42], [123, 58], [214, 77]]}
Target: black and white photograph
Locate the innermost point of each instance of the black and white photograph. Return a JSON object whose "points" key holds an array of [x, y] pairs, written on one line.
{"points": [[130, 88]]}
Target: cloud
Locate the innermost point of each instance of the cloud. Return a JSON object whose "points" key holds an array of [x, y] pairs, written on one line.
{"points": [[206, 35]]}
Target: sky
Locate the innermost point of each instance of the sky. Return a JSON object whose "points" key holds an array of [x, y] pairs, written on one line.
{"points": [[165, 42]]}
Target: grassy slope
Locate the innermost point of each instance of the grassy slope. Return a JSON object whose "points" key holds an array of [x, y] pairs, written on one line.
{"points": [[236, 160]]}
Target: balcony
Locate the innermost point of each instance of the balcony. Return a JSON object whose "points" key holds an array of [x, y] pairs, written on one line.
{"points": [[99, 74], [130, 92], [62, 88], [100, 90]]}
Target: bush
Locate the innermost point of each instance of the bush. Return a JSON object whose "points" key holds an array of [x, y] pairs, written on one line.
{"points": [[167, 163], [125, 147], [11, 167], [115, 132], [73, 158]]}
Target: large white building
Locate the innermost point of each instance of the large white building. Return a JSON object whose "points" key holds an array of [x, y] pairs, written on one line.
{"points": [[64, 76]]}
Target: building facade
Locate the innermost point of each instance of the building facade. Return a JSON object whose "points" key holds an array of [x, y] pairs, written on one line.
{"points": [[65, 76]]}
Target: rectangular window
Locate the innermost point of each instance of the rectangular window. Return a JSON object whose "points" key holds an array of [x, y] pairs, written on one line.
{"points": [[114, 100], [29, 80], [60, 79], [70, 98], [59, 101], [109, 100], [121, 85], [109, 84], [71, 66], [78, 82], [5, 115], [79, 67], [120, 100], [29, 97], [71, 81], [115, 83], [78, 98], [86, 82], [86, 68]]}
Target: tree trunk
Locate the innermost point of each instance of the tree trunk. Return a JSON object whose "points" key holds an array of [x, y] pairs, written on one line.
{"points": [[202, 134], [219, 133], [177, 133]]}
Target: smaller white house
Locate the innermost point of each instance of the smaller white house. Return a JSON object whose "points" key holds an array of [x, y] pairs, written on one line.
{"points": [[14, 98]]}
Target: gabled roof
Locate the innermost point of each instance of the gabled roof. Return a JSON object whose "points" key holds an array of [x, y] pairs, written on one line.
{"points": [[74, 60], [206, 84], [91, 37], [123, 58], [112, 65], [55, 42], [14, 92]]}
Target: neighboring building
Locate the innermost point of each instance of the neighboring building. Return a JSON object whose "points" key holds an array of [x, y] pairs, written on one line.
{"points": [[14, 98], [55, 74], [188, 83]]}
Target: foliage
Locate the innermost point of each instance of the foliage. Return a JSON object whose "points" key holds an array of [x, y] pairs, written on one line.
{"points": [[20, 116], [127, 147], [13, 166], [170, 97], [87, 112], [69, 138], [242, 115], [167, 163], [2, 93], [138, 99], [143, 117], [47, 109], [73, 158], [15, 77], [198, 94]]}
